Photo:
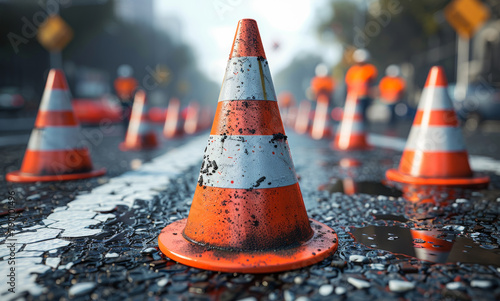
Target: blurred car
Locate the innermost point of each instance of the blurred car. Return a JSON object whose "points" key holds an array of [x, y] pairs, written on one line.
{"points": [[93, 100], [94, 110], [157, 114], [482, 103], [11, 99]]}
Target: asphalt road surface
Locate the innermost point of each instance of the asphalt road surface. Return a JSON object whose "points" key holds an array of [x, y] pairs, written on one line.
{"points": [[97, 239]]}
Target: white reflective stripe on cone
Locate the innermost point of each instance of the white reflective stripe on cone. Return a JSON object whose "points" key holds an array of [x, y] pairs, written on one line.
{"points": [[246, 162], [435, 138], [353, 106], [138, 109], [56, 138], [435, 98], [320, 122], [56, 100], [247, 78]]}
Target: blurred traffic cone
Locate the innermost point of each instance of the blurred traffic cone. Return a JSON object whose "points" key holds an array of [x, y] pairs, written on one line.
{"points": [[172, 128], [291, 117], [349, 162], [140, 134], [321, 122], [55, 150], [435, 152], [351, 134], [191, 123], [302, 122], [247, 213], [205, 119], [350, 186]]}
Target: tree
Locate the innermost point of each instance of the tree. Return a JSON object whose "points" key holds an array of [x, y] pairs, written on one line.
{"points": [[394, 31]]}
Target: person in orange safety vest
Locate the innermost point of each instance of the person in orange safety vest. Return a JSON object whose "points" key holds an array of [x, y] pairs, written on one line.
{"points": [[360, 77], [125, 86], [391, 89]]}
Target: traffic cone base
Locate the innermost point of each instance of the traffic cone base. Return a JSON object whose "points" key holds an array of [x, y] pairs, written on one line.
{"points": [[20, 177], [138, 143], [351, 142], [476, 181], [435, 152], [349, 162], [173, 244], [247, 214], [55, 150]]}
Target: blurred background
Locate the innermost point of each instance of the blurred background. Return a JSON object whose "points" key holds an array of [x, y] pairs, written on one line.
{"points": [[179, 49]]}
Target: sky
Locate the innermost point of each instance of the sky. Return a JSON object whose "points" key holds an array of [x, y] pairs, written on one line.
{"points": [[209, 27]]}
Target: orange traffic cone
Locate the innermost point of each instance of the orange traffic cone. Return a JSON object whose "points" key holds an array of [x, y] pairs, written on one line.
{"points": [[55, 150], [191, 125], [302, 121], [291, 117], [247, 213], [321, 122], [351, 134], [435, 152], [172, 128], [140, 134]]}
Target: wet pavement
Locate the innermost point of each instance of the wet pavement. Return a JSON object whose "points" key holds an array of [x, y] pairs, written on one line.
{"points": [[97, 239]]}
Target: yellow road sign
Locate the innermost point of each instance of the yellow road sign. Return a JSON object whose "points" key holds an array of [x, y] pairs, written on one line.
{"points": [[54, 34], [466, 16]]}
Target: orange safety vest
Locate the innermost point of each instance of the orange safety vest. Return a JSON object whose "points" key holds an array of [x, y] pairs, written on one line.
{"points": [[322, 84], [391, 89], [359, 77], [125, 87]]}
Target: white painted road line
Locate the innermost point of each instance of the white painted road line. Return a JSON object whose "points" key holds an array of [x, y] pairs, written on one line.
{"points": [[72, 220]]}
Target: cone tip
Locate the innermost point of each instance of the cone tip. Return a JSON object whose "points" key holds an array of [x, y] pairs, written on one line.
{"points": [[436, 77], [56, 80], [247, 40]]}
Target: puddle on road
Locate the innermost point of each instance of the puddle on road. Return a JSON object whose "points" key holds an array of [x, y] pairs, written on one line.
{"points": [[425, 245], [349, 186]]}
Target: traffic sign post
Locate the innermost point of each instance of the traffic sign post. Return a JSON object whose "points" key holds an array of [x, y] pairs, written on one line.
{"points": [[466, 17], [54, 34]]}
